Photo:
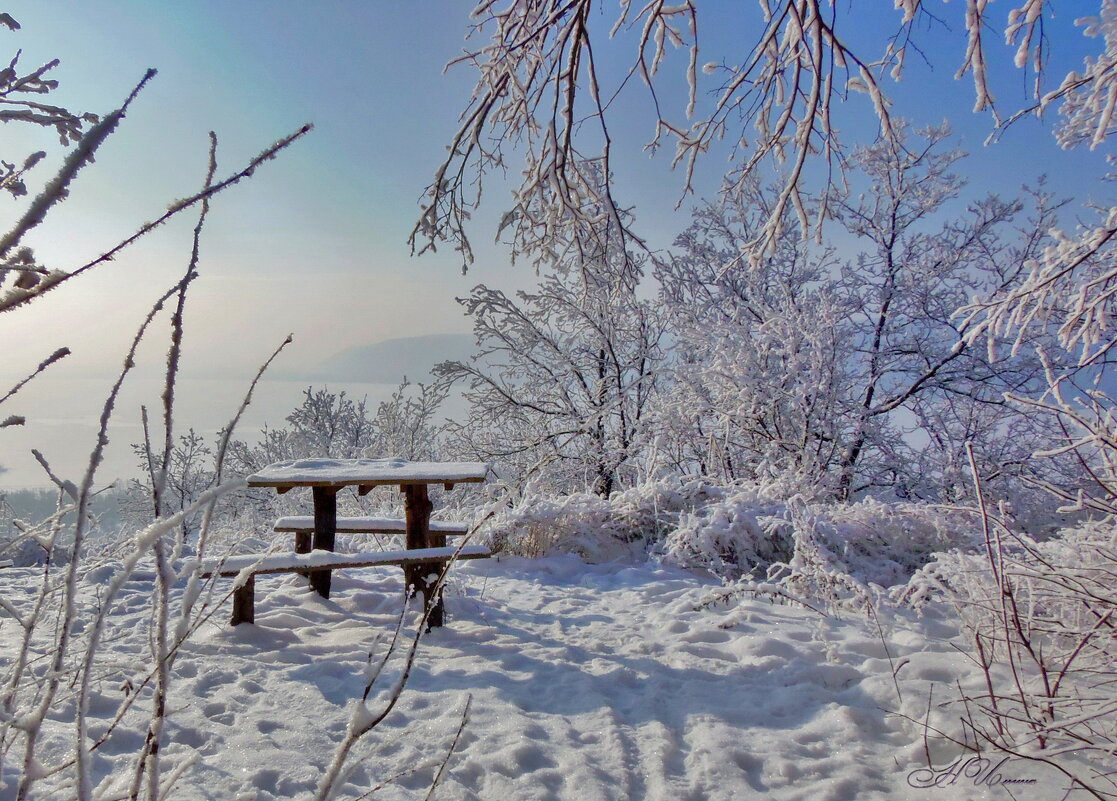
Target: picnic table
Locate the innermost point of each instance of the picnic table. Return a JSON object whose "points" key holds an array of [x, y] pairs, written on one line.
{"points": [[425, 545]]}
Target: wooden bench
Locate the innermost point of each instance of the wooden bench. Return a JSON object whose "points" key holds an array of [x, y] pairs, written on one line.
{"points": [[244, 596], [325, 477], [302, 526]]}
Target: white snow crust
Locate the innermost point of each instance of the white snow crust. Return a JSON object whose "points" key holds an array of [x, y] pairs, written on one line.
{"points": [[589, 683], [346, 472]]}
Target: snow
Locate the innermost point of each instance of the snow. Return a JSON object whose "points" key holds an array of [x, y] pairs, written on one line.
{"points": [[342, 472], [610, 681]]}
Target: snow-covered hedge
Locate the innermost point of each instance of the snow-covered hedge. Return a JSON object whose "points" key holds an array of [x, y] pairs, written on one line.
{"points": [[595, 527], [747, 531]]}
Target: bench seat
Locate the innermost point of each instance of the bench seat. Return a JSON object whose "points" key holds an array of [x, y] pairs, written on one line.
{"points": [[244, 596], [368, 525], [329, 560]]}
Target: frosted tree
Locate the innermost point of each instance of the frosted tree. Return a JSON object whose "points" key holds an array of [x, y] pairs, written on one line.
{"points": [[407, 424], [561, 385], [553, 74], [189, 473], [758, 365], [913, 273], [809, 367], [331, 424]]}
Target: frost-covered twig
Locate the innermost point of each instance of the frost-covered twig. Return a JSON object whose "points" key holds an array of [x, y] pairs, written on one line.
{"points": [[226, 436], [450, 751], [69, 609], [362, 719], [159, 482], [144, 544], [15, 297], [57, 189], [547, 91], [1040, 619], [59, 354]]}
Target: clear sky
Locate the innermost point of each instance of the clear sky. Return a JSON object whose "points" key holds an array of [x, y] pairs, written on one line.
{"points": [[315, 243]]}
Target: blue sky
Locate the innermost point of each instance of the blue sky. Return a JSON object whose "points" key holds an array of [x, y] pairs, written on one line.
{"points": [[315, 243], [317, 236]]}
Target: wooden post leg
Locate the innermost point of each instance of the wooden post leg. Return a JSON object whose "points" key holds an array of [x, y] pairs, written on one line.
{"points": [[302, 545], [437, 609], [434, 619], [244, 603], [417, 506], [325, 528]]}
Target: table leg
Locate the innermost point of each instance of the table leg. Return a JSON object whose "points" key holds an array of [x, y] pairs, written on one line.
{"points": [[302, 545], [417, 508], [325, 528], [244, 603]]}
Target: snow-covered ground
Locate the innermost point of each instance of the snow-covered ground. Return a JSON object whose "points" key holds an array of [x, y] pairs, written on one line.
{"points": [[611, 681]]}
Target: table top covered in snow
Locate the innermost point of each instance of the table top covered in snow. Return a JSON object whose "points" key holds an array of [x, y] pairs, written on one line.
{"points": [[365, 473]]}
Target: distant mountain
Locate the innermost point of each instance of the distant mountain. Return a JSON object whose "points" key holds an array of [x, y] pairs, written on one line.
{"points": [[389, 361]]}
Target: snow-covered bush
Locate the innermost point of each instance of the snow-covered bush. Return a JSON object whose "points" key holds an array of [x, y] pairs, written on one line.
{"points": [[815, 549], [855, 548], [739, 531], [735, 533], [596, 527]]}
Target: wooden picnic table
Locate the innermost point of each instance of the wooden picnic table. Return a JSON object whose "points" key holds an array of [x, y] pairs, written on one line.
{"points": [[326, 476]]}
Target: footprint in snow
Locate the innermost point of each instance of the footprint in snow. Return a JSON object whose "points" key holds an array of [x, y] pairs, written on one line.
{"points": [[250, 686], [832, 677], [703, 651], [219, 713], [676, 627], [265, 726], [711, 636], [103, 705], [213, 679], [190, 737]]}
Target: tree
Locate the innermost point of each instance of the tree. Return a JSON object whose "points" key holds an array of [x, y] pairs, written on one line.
{"points": [[1067, 291], [548, 86], [189, 473], [815, 368], [758, 363], [905, 286], [332, 425], [562, 382]]}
